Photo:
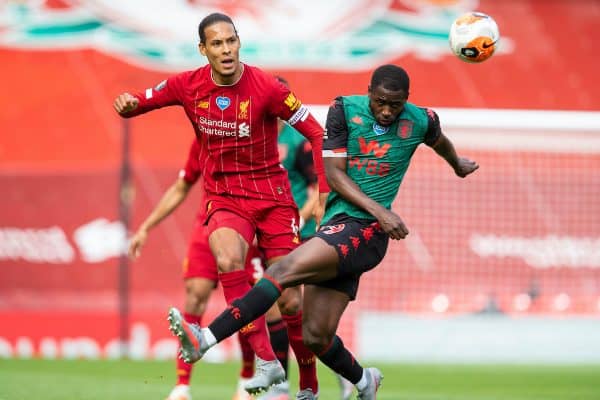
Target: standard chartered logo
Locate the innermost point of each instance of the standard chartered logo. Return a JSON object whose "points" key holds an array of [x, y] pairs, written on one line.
{"points": [[244, 130], [213, 127]]}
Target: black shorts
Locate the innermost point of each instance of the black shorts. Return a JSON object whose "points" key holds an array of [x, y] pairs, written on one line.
{"points": [[360, 244]]}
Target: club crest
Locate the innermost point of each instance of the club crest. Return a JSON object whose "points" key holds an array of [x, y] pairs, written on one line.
{"points": [[405, 128]]}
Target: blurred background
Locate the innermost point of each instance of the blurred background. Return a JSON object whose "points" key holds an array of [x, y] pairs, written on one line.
{"points": [[501, 267]]}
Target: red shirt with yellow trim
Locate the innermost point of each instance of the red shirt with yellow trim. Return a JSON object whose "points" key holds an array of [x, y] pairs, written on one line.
{"points": [[237, 124]]}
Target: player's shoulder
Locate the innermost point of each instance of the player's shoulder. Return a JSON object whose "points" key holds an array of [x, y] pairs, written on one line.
{"points": [[358, 100], [261, 78], [257, 73], [187, 83], [198, 74]]}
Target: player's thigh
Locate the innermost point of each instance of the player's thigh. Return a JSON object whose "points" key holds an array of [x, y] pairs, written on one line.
{"points": [[313, 261], [229, 239], [323, 308], [360, 244]]}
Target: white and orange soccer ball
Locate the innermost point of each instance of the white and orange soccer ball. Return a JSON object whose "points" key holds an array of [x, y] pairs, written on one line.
{"points": [[474, 37]]}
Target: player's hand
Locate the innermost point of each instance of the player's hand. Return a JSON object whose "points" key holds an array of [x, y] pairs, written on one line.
{"points": [[465, 167], [125, 103], [319, 208], [392, 224], [136, 243]]}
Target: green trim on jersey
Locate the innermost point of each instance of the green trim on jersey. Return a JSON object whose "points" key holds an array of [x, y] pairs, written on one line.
{"points": [[291, 139], [377, 161]]}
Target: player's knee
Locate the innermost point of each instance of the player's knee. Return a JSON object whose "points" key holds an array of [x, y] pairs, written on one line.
{"points": [[229, 262], [194, 304], [289, 304], [315, 338], [286, 271]]}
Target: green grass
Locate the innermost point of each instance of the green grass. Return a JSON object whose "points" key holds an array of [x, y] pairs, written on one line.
{"points": [[147, 380]]}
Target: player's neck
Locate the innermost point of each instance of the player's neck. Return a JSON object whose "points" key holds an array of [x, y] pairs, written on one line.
{"points": [[221, 80]]}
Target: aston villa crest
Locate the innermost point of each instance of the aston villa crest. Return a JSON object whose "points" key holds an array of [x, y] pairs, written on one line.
{"points": [[405, 128]]}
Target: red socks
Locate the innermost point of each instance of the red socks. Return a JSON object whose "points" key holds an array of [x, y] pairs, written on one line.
{"points": [[235, 285], [247, 358], [305, 358]]}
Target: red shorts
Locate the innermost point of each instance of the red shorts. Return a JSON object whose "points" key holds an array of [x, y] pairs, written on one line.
{"points": [[275, 224], [200, 262]]}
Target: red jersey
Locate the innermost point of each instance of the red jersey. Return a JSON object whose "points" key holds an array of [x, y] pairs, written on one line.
{"points": [[238, 126]]}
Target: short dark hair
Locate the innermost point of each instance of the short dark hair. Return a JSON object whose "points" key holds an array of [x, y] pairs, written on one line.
{"points": [[210, 20], [391, 77]]}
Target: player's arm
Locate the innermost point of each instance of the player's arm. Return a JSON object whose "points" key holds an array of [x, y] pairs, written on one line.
{"points": [[445, 149], [166, 93], [305, 166], [335, 160], [286, 106], [170, 200]]}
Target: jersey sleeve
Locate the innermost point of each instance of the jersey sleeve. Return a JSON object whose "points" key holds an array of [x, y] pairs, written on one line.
{"points": [[285, 105], [166, 93], [433, 128], [192, 170], [304, 162], [336, 131]]}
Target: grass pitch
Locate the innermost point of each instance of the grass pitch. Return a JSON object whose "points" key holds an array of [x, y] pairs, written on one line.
{"points": [[147, 380]]}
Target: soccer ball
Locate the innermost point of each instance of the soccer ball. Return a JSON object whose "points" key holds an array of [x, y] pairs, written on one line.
{"points": [[474, 37]]}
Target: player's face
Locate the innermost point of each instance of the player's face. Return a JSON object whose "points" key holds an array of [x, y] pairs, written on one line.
{"points": [[386, 104], [222, 49]]}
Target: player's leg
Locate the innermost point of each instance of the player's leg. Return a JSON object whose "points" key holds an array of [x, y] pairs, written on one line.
{"points": [[197, 293], [200, 278], [313, 261], [229, 242], [324, 306], [277, 236], [229, 238], [291, 312], [280, 343], [255, 268], [279, 337]]}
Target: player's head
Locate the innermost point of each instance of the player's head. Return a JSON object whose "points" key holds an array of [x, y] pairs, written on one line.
{"points": [[220, 44], [388, 93]]}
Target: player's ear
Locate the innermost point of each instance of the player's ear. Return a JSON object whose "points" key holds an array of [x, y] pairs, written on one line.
{"points": [[369, 89], [202, 48]]}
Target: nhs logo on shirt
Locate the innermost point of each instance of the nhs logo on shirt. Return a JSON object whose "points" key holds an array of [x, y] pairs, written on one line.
{"points": [[380, 130], [223, 102]]}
